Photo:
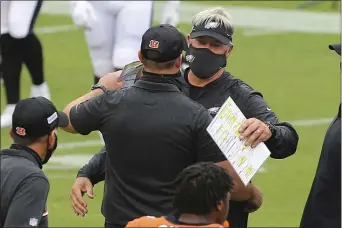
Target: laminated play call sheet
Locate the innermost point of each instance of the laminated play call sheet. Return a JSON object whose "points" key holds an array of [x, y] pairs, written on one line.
{"points": [[224, 129]]}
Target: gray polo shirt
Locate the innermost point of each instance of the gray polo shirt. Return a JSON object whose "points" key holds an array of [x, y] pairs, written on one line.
{"points": [[24, 188]]}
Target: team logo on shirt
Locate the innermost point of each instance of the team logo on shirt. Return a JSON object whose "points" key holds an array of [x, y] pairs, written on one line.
{"points": [[213, 111], [20, 131], [33, 222], [154, 44]]}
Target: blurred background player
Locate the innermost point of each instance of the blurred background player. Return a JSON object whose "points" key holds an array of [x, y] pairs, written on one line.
{"points": [[202, 199], [113, 30], [19, 45]]}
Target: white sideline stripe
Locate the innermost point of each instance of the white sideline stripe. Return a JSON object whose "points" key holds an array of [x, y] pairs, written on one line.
{"points": [[270, 19], [55, 29], [261, 32], [87, 143], [317, 122]]}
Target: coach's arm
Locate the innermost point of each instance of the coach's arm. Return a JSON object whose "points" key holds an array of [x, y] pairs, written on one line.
{"points": [[89, 108], [94, 170], [284, 141]]}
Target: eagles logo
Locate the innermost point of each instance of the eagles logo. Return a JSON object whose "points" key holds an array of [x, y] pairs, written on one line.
{"points": [[213, 111]]}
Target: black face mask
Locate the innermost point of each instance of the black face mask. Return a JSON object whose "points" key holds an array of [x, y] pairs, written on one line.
{"points": [[50, 151], [204, 63]]}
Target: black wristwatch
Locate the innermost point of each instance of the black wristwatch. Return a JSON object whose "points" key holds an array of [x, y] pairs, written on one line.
{"points": [[99, 86], [272, 128]]}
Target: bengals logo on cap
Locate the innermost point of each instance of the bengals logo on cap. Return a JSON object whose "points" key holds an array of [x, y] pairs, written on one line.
{"points": [[154, 44], [20, 131]]}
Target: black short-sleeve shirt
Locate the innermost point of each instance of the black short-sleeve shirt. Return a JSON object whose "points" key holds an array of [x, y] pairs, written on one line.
{"points": [[152, 132]]}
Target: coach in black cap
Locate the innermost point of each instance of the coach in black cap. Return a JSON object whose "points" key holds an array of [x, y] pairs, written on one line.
{"points": [[323, 206], [24, 187], [152, 132]]}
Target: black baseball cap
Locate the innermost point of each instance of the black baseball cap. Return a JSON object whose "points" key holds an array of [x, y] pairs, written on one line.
{"points": [[335, 47], [162, 43], [36, 117], [213, 29]]}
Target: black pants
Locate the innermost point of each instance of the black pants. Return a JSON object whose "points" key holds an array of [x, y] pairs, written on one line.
{"points": [[237, 216], [112, 225]]}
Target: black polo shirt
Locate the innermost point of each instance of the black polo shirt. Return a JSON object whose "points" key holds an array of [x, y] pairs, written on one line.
{"points": [[24, 188], [323, 206], [152, 131]]}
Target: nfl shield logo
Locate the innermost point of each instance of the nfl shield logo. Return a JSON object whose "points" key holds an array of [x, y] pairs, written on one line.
{"points": [[33, 222]]}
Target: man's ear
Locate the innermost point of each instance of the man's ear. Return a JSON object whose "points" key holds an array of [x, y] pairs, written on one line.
{"points": [[220, 206], [11, 133], [140, 56], [178, 63], [52, 137], [189, 40], [229, 51]]}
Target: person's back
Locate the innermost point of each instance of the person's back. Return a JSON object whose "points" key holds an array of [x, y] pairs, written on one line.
{"points": [[24, 186], [163, 126], [201, 199]]}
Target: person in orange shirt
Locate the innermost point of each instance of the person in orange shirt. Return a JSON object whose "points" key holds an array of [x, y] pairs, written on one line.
{"points": [[201, 200]]}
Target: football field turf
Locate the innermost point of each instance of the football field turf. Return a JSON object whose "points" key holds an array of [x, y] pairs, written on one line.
{"points": [[290, 63]]}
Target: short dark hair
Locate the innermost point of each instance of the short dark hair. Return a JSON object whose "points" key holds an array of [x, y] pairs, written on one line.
{"points": [[156, 65], [24, 141], [200, 188]]}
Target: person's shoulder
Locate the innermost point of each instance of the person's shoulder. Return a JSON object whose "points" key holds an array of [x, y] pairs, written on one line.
{"points": [[112, 97], [37, 176], [238, 86], [191, 103], [20, 165], [148, 221]]}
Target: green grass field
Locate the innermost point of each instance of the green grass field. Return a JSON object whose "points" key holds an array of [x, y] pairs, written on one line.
{"points": [[297, 74]]}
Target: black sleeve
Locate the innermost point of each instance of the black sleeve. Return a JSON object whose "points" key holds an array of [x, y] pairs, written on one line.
{"points": [[28, 204], [285, 141], [329, 166], [206, 148], [87, 116], [95, 169]]}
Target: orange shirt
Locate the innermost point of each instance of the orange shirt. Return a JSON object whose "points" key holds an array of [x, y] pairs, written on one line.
{"points": [[162, 222]]}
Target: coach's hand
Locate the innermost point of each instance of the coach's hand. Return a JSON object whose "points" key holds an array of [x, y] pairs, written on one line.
{"points": [[256, 200], [110, 81], [82, 185], [254, 131]]}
